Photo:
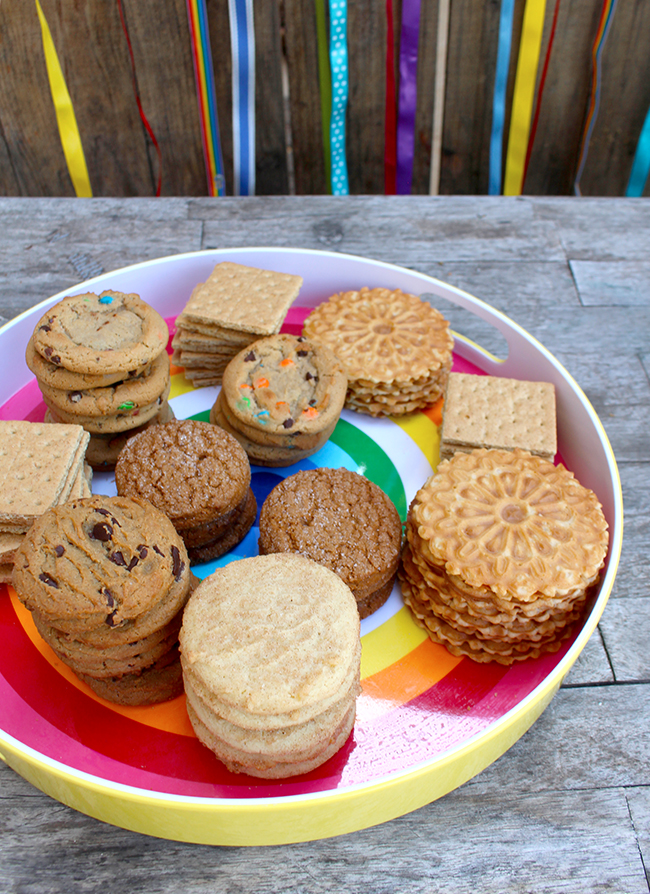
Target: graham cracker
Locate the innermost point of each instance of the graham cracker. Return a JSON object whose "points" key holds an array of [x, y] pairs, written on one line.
{"points": [[492, 412], [9, 543], [246, 299], [38, 463], [5, 573]]}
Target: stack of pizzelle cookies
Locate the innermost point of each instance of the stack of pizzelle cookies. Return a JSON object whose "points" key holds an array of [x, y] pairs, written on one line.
{"points": [[395, 348], [232, 308], [341, 520], [270, 651], [106, 580], [199, 476], [502, 550], [41, 466], [101, 362], [495, 412], [281, 398]]}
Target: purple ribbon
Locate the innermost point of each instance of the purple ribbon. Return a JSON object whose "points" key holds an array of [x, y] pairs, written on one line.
{"points": [[408, 90]]}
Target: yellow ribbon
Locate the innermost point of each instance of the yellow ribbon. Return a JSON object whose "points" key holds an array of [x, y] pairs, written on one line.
{"points": [[65, 117], [524, 92]]}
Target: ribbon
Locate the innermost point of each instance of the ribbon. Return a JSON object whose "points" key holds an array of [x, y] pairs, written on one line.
{"points": [[540, 91], [325, 83], [206, 95], [499, 96], [143, 117], [408, 71], [442, 42], [242, 42], [65, 116], [390, 127], [339, 72], [602, 31], [522, 102], [641, 165]]}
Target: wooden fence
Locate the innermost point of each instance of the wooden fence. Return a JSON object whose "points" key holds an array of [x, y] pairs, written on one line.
{"points": [[92, 43]]}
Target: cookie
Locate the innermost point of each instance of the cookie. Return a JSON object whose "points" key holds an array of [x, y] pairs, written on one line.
{"points": [[126, 418], [395, 348], [233, 534], [101, 334], [341, 520], [59, 377]]}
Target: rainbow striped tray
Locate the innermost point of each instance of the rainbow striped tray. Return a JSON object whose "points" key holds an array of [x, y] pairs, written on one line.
{"points": [[426, 721]]}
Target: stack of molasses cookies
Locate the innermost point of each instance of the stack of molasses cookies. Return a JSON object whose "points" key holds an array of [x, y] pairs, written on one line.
{"points": [[281, 398], [101, 362], [199, 476], [106, 580], [271, 661]]}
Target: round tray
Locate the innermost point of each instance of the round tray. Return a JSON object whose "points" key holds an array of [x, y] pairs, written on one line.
{"points": [[427, 722]]}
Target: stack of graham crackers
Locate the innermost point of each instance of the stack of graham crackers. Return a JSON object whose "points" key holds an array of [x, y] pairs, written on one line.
{"points": [[41, 465], [234, 307], [491, 412]]}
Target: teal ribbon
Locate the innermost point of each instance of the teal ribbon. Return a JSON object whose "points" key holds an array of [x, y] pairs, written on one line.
{"points": [[641, 165], [339, 73]]}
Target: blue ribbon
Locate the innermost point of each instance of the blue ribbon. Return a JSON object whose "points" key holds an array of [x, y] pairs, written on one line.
{"points": [[499, 99], [641, 165], [242, 41], [339, 69]]}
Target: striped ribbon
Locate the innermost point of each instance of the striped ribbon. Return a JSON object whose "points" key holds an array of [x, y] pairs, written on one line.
{"points": [[408, 72], [242, 42], [641, 165], [522, 102], [499, 96], [339, 72], [602, 31], [206, 95], [325, 84], [64, 111]]}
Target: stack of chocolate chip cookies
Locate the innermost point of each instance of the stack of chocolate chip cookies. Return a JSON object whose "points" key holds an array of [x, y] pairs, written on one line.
{"points": [[281, 398], [199, 476], [106, 579], [101, 362], [271, 661], [503, 548], [395, 348], [341, 520]]}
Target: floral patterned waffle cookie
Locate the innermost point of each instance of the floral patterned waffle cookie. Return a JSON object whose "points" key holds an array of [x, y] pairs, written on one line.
{"points": [[503, 548], [395, 348]]}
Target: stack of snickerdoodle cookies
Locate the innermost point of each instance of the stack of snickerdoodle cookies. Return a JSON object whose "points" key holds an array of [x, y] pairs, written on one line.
{"points": [[395, 348], [106, 579], [101, 362], [271, 658], [503, 548], [199, 476]]}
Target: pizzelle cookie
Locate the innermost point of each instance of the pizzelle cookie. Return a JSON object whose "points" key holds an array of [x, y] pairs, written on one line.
{"points": [[101, 334], [341, 520], [395, 348], [503, 549], [281, 656]]}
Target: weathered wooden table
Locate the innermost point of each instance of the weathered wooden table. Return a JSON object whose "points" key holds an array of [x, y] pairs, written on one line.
{"points": [[567, 808]]}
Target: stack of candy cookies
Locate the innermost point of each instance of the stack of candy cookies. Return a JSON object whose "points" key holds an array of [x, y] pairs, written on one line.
{"points": [[500, 413], [281, 398], [232, 308], [106, 579], [395, 348], [341, 520], [101, 362], [502, 550], [199, 476], [270, 651], [40, 466]]}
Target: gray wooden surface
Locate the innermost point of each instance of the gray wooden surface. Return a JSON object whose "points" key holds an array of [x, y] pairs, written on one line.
{"points": [[567, 808]]}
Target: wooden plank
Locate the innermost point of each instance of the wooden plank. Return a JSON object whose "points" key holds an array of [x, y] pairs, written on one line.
{"points": [[598, 229], [592, 666], [625, 626], [31, 157], [633, 576], [638, 800], [612, 282], [270, 143]]}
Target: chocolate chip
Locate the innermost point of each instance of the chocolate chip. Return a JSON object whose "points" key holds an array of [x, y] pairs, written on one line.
{"points": [[302, 353], [102, 512], [48, 351], [313, 402], [75, 396], [108, 596], [55, 359], [143, 551], [59, 550], [109, 619], [102, 531], [308, 376], [45, 328], [134, 561], [301, 338], [250, 357], [117, 558], [156, 550], [288, 423], [49, 580], [178, 564]]}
